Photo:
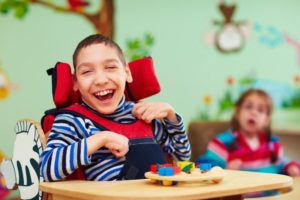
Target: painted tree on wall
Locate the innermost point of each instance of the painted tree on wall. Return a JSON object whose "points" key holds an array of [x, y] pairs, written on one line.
{"points": [[102, 19]]}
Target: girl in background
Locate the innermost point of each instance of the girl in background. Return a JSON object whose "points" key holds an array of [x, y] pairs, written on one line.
{"points": [[249, 144]]}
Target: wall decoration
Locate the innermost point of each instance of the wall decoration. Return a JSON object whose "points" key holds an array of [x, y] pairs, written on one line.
{"points": [[294, 100], [23, 171], [4, 192], [271, 37], [284, 96], [231, 35], [6, 86], [268, 35], [102, 19], [204, 112], [294, 43], [139, 47]]}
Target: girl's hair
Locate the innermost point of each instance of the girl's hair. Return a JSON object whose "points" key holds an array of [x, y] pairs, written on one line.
{"points": [[235, 125]]}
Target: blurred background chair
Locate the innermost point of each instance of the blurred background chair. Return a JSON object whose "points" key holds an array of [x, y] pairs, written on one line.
{"points": [[201, 132]]}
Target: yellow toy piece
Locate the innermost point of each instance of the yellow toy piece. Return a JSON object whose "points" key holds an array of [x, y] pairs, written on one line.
{"points": [[186, 164]]}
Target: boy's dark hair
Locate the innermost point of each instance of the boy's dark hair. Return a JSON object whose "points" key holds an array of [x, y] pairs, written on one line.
{"points": [[97, 39], [235, 123]]}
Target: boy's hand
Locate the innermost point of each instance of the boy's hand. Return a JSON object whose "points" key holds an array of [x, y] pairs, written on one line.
{"points": [[293, 170], [148, 111], [116, 143], [234, 164]]}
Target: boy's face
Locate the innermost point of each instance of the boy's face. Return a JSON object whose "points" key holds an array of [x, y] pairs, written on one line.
{"points": [[253, 114], [101, 77]]}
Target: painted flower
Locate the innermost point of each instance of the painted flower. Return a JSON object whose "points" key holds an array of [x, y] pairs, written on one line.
{"points": [[297, 79], [207, 100], [230, 80]]}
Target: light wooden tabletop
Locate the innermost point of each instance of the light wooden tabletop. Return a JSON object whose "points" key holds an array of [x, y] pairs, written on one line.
{"points": [[294, 194], [235, 183]]}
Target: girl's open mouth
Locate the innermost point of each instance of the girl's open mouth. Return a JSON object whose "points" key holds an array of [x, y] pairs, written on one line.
{"points": [[251, 122]]}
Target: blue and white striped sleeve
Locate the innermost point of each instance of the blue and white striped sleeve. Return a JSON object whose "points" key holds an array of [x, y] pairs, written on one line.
{"points": [[173, 138], [66, 148]]}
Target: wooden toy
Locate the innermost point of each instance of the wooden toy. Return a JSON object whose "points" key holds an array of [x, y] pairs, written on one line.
{"points": [[171, 175]]}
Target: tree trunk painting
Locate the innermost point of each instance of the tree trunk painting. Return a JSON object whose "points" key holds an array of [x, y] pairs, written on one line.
{"points": [[102, 19]]}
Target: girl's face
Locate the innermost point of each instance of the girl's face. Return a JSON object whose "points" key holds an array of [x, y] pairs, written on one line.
{"points": [[101, 77], [253, 115]]}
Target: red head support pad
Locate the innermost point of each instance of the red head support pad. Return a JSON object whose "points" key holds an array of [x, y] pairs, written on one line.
{"points": [[145, 83]]}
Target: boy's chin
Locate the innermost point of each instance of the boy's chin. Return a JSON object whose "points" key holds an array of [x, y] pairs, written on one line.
{"points": [[107, 111]]}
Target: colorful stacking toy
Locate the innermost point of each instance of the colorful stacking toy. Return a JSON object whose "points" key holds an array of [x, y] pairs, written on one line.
{"points": [[168, 174]]}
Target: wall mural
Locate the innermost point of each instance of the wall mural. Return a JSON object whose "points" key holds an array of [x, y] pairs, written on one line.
{"points": [[6, 86], [139, 47], [22, 171], [3, 191], [271, 37], [294, 43], [231, 37], [231, 34], [102, 19], [284, 95]]}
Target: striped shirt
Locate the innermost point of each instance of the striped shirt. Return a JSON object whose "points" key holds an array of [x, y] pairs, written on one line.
{"points": [[66, 148], [258, 159]]}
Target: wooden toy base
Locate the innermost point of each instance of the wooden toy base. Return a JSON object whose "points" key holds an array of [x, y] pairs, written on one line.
{"points": [[215, 175]]}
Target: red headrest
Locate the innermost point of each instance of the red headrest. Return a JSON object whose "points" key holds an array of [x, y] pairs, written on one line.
{"points": [[145, 83]]}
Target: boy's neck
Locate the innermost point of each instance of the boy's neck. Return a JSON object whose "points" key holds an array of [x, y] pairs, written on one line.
{"points": [[119, 108]]}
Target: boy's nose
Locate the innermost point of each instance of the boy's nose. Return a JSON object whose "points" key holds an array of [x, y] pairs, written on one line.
{"points": [[101, 78]]}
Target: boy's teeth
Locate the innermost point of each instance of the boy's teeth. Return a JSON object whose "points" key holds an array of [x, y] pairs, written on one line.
{"points": [[103, 93]]}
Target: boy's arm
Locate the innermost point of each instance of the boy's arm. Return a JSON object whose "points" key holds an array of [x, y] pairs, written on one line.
{"points": [[169, 130], [173, 138], [66, 149], [70, 146]]}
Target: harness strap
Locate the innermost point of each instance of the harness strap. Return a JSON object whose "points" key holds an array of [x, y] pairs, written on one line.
{"points": [[137, 129]]}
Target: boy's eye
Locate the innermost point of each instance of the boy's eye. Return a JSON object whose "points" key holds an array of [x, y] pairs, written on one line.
{"points": [[85, 71], [111, 67]]}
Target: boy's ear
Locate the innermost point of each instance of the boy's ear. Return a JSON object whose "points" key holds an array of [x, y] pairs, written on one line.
{"points": [[129, 78], [75, 84]]}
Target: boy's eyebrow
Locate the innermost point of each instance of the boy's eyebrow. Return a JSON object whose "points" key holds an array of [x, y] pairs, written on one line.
{"points": [[111, 60], [105, 61], [84, 64]]}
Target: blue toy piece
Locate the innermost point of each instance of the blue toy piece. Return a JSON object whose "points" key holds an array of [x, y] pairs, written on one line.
{"points": [[205, 166], [166, 171]]}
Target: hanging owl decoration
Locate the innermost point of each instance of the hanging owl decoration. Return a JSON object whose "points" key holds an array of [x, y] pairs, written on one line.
{"points": [[231, 35]]}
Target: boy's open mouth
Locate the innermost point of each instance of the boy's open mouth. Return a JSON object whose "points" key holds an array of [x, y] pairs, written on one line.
{"points": [[104, 94]]}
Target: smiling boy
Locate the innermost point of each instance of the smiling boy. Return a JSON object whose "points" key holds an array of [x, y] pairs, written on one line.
{"points": [[75, 141]]}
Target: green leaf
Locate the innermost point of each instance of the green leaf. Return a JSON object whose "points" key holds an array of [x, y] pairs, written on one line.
{"points": [[4, 7], [135, 57], [21, 11], [149, 39], [134, 44], [18, 6]]}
